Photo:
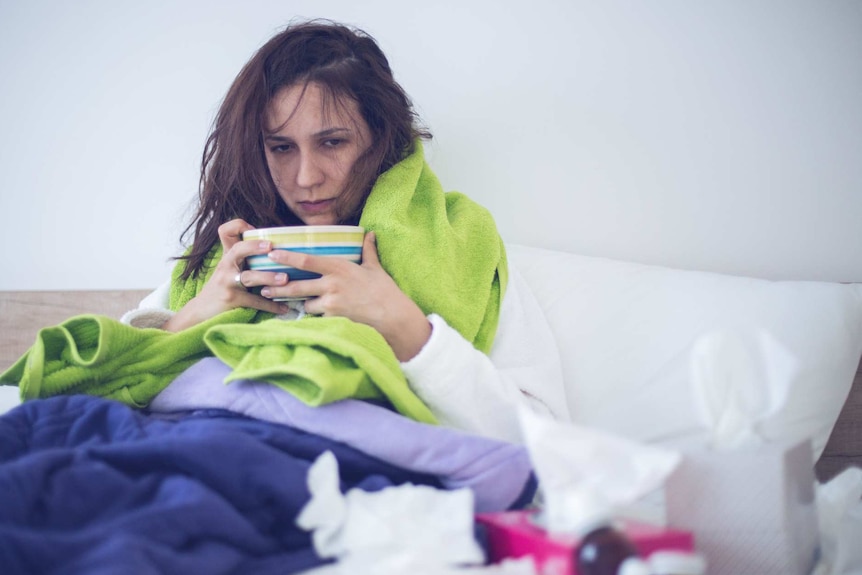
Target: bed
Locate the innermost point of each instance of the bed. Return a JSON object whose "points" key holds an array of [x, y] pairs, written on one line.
{"points": [[624, 331]]}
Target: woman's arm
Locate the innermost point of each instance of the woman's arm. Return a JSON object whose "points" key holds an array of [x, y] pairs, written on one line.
{"points": [[154, 311], [221, 292], [477, 393]]}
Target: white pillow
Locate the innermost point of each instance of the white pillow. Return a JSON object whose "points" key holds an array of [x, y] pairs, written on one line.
{"points": [[624, 332]]}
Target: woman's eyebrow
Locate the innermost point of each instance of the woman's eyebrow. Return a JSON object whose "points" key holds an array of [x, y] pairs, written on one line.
{"points": [[330, 132], [321, 134]]}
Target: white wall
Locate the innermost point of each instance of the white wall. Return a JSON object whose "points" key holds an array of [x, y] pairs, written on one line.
{"points": [[723, 136]]}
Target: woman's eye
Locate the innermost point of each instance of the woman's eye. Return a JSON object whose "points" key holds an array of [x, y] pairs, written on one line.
{"points": [[280, 149], [332, 143]]}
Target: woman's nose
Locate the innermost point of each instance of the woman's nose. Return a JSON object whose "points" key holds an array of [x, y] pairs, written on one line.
{"points": [[309, 173]]}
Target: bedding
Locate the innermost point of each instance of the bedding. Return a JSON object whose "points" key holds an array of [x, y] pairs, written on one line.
{"points": [[623, 331], [499, 474], [89, 484], [101, 356], [626, 331]]}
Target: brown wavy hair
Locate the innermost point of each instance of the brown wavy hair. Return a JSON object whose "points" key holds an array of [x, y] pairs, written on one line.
{"points": [[235, 181]]}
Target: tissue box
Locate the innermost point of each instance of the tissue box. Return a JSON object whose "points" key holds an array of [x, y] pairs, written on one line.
{"points": [[514, 534], [753, 510]]}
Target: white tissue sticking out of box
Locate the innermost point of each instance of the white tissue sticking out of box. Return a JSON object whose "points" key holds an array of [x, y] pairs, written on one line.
{"points": [[839, 510], [396, 527], [586, 474], [739, 380], [748, 498]]}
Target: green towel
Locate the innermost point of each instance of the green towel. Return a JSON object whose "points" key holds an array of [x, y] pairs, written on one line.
{"points": [[182, 291], [324, 360], [98, 355], [443, 250]]}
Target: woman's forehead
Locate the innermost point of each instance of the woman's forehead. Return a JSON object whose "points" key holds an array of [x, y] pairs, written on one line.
{"points": [[310, 106]]}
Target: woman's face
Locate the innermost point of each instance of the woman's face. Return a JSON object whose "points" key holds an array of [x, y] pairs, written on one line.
{"points": [[310, 150]]}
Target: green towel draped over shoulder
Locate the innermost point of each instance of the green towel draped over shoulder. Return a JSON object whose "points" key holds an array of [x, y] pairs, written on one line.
{"points": [[442, 249]]}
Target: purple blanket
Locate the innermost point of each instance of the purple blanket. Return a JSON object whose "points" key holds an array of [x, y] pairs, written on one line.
{"points": [[499, 473]]}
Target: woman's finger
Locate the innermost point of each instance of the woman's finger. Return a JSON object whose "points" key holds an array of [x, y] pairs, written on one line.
{"points": [[250, 300], [295, 289], [235, 257], [229, 233], [252, 278], [314, 306], [322, 265], [369, 251]]}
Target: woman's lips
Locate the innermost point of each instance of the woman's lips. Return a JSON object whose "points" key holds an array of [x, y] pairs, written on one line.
{"points": [[317, 207]]}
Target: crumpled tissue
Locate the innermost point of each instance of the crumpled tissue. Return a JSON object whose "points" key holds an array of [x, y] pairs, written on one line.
{"points": [[739, 380], [839, 509], [401, 529], [748, 500], [586, 475]]}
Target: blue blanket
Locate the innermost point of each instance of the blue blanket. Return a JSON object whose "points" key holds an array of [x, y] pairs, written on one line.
{"points": [[88, 485]]}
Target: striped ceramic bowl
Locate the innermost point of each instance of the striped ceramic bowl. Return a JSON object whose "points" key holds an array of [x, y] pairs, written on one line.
{"points": [[328, 241]]}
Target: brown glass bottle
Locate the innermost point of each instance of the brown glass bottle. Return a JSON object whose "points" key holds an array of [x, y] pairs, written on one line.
{"points": [[602, 551]]}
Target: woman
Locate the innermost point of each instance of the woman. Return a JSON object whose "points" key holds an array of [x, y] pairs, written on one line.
{"points": [[303, 136]]}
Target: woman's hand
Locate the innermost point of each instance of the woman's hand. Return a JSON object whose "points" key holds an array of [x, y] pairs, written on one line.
{"points": [[223, 292], [364, 293]]}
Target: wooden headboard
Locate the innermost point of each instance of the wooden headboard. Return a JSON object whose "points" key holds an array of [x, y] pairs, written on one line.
{"points": [[23, 313], [845, 444]]}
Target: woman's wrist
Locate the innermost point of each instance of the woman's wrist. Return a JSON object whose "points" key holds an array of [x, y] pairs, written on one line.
{"points": [[406, 331], [175, 323], [184, 318]]}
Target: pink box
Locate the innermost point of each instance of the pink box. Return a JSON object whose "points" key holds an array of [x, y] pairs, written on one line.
{"points": [[513, 534]]}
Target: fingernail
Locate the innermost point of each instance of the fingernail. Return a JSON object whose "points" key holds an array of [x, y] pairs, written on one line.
{"points": [[280, 277], [266, 292], [263, 245]]}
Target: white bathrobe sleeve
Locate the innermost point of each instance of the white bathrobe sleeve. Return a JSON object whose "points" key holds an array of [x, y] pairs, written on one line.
{"points": [[468, 390], [153, 310]]}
